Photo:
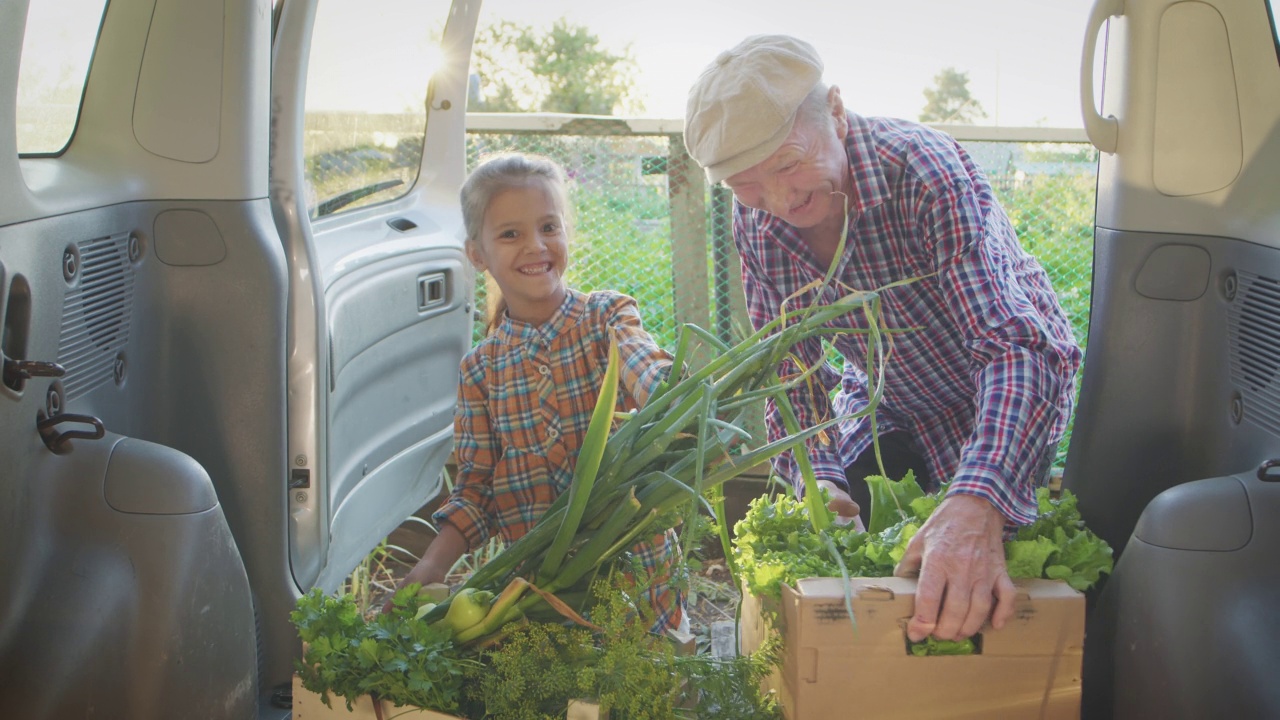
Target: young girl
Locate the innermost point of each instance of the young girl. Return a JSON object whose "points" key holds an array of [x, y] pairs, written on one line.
{"points": [[528, 389]]}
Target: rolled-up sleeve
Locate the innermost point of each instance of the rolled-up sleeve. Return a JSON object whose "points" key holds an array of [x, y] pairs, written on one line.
{"points": [[644, 365], [1023, 367]]}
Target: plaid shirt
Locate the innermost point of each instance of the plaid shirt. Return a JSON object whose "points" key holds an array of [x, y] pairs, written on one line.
{"points": [[984, 384], [524, 403]]}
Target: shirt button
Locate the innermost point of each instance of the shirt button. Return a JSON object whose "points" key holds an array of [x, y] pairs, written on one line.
{"points": [[544, 370], [553, 433]]}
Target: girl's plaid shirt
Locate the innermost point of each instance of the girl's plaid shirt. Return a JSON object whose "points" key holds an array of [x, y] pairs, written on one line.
{"points": [[525, 399]]}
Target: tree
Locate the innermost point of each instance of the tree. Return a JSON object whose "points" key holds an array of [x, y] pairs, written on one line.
{"points": [[565, 70], [949, 101]]}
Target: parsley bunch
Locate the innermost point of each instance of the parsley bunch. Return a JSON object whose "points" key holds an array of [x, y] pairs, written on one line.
{"points": [[393, 656]]}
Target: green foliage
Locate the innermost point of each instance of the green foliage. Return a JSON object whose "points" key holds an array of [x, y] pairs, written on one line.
{"points": [[615, 236], [934, 646], [632, 678], [565, 70], [774, 543], [729, 688], [393, 656], [1078, 556], [891, 500], [949, 100], [539, 667], [534, 673], [1053, 216]]}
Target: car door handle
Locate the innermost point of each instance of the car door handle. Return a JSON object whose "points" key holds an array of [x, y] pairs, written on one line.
{"points": [[1103, 132], [433, 290]]}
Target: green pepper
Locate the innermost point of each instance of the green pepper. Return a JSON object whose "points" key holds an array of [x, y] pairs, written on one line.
{"points": [[467, 608]]}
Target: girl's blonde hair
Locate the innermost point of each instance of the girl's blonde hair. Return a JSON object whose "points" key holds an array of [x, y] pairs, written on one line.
{"points": [[492, 176]]}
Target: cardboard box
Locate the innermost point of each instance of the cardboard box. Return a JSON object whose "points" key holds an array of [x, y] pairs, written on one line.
{"points": [[1029, 669]]}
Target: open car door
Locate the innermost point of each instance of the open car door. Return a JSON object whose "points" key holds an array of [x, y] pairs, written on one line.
{"points": [[365, 194]]}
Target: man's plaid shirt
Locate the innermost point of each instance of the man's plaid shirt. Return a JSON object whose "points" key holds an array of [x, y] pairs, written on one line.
{"points": [[524, 403], [984, 384]]}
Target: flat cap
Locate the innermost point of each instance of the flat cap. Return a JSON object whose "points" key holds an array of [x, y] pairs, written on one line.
{"points": [[743, 105]]}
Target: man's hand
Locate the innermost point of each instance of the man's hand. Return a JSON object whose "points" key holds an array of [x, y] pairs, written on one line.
{"points": [[959, 556], [842, 505]]}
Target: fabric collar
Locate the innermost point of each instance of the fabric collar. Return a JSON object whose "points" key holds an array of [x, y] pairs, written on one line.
{"points": [[870, 188], [515, 332]]}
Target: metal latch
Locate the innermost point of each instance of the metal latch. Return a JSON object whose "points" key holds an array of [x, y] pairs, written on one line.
{"points": [[17, 372], [59, 443]]}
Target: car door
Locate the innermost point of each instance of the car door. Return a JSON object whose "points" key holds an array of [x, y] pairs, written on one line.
{"points": [[1178, 421], [368, 156]]}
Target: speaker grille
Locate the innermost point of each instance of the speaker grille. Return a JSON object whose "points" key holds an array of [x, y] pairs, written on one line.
{"points": [[96, 315], [1254, 333]]}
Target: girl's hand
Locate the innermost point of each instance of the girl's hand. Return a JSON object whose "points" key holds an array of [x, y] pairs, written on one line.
{"points": [[440, 555]]}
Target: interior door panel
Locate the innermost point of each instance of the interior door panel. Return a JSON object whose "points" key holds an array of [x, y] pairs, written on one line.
{"points": [[1178, 386], [179, 316], [172, 355], [397, 328], [388, 360]]}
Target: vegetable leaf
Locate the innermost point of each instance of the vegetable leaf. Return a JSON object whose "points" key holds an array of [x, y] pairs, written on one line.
{"points": [[1026, 558], [891, 500]]}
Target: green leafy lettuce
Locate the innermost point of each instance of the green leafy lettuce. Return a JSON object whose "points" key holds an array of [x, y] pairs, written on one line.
{"points": [[775, 543]]}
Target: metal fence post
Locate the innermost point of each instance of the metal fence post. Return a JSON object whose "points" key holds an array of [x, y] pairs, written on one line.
{"points": [[732, 323], [686, 193]]}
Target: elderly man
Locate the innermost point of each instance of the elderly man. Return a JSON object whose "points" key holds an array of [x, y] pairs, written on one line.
{"points": [[978, 393]]}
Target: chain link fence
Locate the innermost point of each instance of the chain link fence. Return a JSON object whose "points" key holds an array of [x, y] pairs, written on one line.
{"points": [[638, 201], [646, 223]]}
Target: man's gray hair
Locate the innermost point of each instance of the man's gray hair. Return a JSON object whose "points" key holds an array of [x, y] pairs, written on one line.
{"points": [[814, 110]]}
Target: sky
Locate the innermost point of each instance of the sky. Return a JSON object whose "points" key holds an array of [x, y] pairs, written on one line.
{"points": [[1022, 56]]}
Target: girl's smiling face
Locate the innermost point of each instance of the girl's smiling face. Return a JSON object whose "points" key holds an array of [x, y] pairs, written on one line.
{"points": [[524, 246]]}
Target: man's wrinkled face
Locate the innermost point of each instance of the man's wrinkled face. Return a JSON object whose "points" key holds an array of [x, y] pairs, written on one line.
{"points": [[800, 181]]}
